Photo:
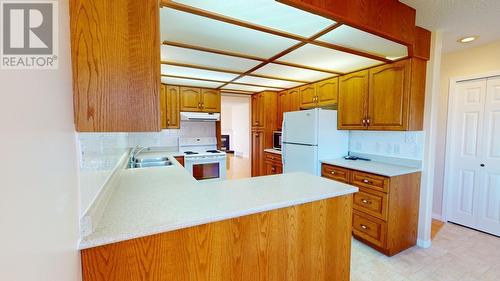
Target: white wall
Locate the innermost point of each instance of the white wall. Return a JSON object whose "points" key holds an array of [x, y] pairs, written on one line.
{"points": [[38, 190], [471, 61], [235, 111]]}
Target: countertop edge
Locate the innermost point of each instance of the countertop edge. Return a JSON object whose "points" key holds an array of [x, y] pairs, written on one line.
{"points": [[406, 170], [83, 245]]}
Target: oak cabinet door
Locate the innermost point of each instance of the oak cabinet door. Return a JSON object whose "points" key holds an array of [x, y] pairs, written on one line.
{"points": [[282, 107], [261, 104], [294, 99], [258, 168], [115, 55], [163, 105], [210, 100], [255, 110], [307, 96], [389, 96], [190, 99], [173, 107], [353, 96], [327, 92]]}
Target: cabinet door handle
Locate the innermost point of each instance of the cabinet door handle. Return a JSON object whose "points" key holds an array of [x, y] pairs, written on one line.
{"points": [[256, 135], [366, 181], [365, 201], [332, 172], [368, 121], [364, 227], [364, 122]]}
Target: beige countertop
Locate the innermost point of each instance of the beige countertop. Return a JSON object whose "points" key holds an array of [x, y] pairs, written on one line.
{"points": [[272, 150], [374, 167], [155, 200]]}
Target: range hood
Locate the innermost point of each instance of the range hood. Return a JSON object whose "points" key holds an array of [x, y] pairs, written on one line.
{"points": [[200, 116]]}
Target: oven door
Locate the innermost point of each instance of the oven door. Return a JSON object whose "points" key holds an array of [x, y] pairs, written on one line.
{"points": [[207, 168]]}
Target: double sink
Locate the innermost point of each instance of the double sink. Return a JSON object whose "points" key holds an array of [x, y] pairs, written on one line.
{"points": [[144, 162]]}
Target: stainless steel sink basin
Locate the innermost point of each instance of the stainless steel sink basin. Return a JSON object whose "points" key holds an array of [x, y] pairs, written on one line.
{"points": [[149, 164], [149, 160]]}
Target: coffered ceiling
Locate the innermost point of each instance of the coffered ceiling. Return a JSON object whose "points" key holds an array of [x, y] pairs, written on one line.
{"points": [[254, 45]]}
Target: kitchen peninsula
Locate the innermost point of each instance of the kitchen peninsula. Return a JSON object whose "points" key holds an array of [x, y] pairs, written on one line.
{"points": [[162, 224]]}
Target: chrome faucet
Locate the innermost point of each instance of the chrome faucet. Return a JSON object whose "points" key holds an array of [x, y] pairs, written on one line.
{"points": [[134, 152]]}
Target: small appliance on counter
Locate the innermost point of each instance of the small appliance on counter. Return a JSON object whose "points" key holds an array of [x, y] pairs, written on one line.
{"points": [[202, 159], [277, 140], [310, 136]]}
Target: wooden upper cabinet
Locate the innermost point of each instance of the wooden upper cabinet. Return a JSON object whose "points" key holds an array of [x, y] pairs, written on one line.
{"points": [[294, 99], [385, 98], [163, 106], [327, 92], [190, 99], [388, 96], [308, 98], [115, 50], [282, 107], [173, 107], [353, 95], [261, 104], [210, 100]]}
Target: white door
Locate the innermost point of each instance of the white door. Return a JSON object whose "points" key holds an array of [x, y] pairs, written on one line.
{"points": [[474, 179], [489, 191], [301, 127], [300, 158]]}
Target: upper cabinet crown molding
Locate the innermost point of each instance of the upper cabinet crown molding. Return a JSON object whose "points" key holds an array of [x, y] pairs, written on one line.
{"points": [[115, 48]]}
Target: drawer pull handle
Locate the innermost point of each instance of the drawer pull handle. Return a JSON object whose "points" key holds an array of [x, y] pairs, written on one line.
{"points": [[365, 201], [332, 172], [364, 227], [366, 181]]}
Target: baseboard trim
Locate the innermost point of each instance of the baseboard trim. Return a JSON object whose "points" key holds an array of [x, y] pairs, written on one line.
{"points": [[437, 217], [424, 243]]}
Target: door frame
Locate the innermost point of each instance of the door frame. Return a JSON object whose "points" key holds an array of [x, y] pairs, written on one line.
{"points": [[452, 92]]}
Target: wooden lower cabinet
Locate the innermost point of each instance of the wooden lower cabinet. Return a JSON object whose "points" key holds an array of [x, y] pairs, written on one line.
{"points": [[307, 242], [385, 208], [273, 163]]}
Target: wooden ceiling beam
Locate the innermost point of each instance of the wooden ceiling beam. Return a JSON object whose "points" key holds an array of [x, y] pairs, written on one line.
{"points": [[291, 49], [220, 81], [232, 71], [226, 19], [220, 52]]}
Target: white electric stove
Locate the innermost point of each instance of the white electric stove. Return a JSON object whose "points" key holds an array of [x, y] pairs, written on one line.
{"points": [[202, 159]]}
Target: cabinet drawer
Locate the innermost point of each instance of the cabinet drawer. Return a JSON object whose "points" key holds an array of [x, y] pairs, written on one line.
{"points": [[371, 202], [369, 228], [273, 157], [335, 173], [370, 181]]}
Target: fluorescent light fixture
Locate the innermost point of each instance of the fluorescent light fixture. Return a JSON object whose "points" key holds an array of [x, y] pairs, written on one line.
{"points": [[467, 39]]}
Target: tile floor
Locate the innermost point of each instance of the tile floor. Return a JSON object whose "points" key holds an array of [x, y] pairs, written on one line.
{"points": [[457, 254]]}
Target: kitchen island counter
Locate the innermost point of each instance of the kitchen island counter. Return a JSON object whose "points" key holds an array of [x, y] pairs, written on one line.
{"points": [[155, 200]]}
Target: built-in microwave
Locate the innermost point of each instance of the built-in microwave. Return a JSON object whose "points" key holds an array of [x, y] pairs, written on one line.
{"points": [[277, 140]]}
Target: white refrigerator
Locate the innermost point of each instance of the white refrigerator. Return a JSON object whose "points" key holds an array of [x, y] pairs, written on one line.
{"points": [[310, 136]]}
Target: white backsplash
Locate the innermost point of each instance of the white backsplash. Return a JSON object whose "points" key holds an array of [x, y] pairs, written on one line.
{"points": [[99, 153], [409, 145]]}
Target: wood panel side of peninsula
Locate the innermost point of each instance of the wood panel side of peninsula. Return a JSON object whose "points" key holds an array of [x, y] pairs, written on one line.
{"points": [[311, 241]]}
